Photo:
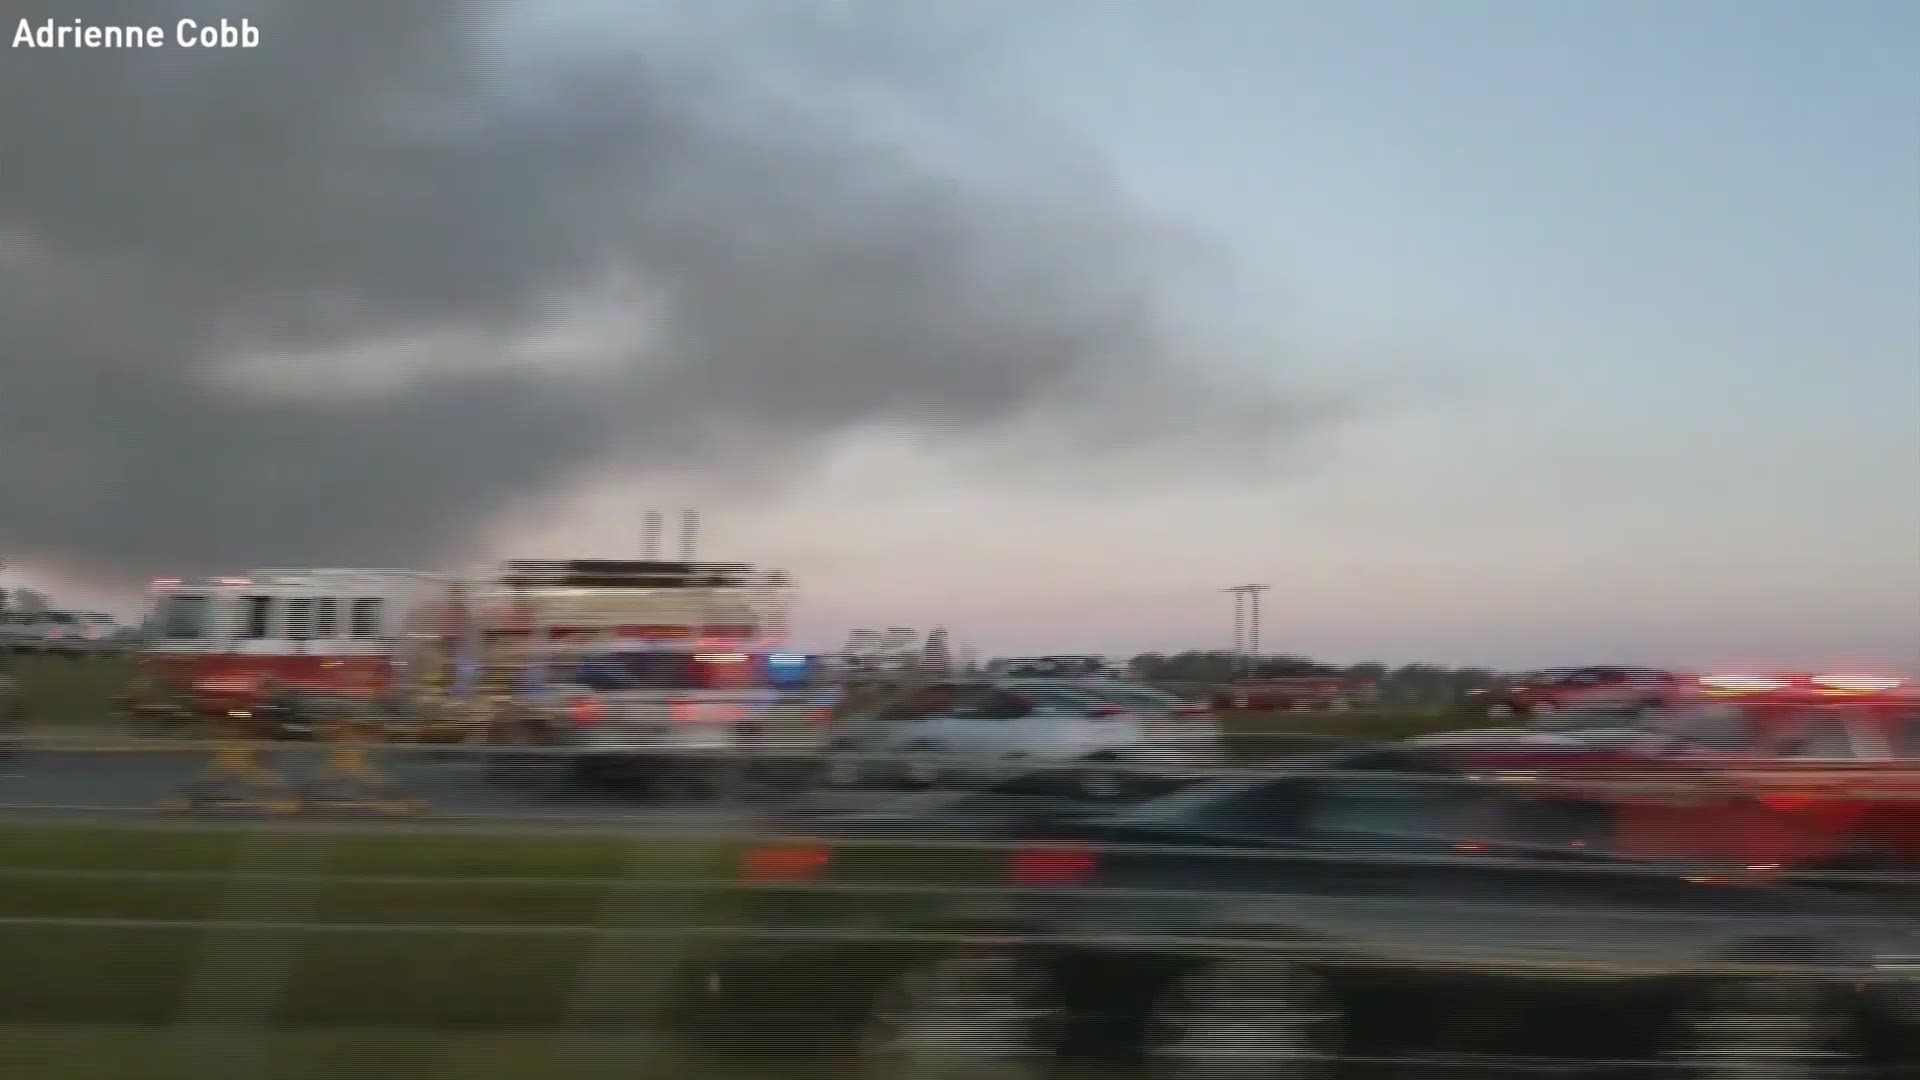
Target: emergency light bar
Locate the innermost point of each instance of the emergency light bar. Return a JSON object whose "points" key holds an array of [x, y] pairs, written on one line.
{"points": [[1836, 685], [626, 574], [1741, 684], [1855, 684]]}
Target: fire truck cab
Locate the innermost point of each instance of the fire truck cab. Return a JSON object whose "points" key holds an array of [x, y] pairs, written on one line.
{"points": [[227, 647], [647, 664]]}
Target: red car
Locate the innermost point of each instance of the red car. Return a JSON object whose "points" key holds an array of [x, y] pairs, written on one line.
{"points": [[1808, 772], [1321, 692], [1545, 693]]}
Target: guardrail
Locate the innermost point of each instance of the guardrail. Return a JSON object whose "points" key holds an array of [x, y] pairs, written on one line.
{"points": [[233, 948]]}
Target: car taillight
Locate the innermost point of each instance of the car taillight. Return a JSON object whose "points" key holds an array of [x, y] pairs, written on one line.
{"points": [[1106, 711], [1787, 802], [1052, 866], [789, 862], [585, 711]]}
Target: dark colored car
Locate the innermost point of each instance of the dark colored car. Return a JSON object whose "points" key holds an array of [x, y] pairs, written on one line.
{"points": [[1369, 906]]}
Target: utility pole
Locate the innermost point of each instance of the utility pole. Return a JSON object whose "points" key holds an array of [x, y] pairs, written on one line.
{"points": [[1246, 622], [1239, 621], [689, 533], [650, 535]]}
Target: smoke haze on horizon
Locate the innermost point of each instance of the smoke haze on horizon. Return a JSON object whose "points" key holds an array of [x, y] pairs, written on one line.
{"points": [[345, 297]]}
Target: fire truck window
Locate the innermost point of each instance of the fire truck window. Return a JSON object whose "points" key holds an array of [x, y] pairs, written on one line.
{"points": [[1716, 728], [259, 611], [1816, 736], [364, 619], [326, 617], [299, 619], [1903, 735], [183, 618]]}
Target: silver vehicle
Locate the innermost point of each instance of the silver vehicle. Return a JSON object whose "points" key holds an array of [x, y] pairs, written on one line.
{"points": [[964, 726], [84, 633], [675, 707], [61, 633], [19, 632], [12, 710]]}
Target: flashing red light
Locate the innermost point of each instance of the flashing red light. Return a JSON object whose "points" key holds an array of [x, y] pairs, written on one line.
{"points": [[585, 711], [1832, 684], [1848, 685], [696, 712], [785, 863], [1741, 684], [1052, 866]]}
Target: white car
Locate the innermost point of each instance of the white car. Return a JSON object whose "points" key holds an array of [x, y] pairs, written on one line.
{"points": [[73, 633], [962, 727]]}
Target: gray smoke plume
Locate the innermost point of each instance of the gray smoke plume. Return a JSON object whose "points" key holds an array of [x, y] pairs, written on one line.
{"points": [[298, 303]]}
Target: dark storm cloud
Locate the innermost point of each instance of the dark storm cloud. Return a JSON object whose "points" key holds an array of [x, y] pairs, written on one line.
{"points": [[390, 169]]}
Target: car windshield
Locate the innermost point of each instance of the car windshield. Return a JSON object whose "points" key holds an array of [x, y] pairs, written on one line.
{"points": [[1141, 696], [1903, 734], [1186, 801], [1613, 738], [1591, 716], [1061, 698], [1076, 784]]}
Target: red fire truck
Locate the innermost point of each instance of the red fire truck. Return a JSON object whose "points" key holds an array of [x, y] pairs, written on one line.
{"points": [[232, 647], [1802, 771], [650, 667], [277, 648]]}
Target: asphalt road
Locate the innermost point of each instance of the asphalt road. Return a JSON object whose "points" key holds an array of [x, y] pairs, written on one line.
{"points": [[446, 785]]}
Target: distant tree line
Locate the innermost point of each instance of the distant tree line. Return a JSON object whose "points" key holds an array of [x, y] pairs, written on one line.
{"points": [[1409, 684]]}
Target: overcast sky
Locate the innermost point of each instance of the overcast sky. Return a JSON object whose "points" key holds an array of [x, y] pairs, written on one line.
{"points": [[1483, 331]]}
